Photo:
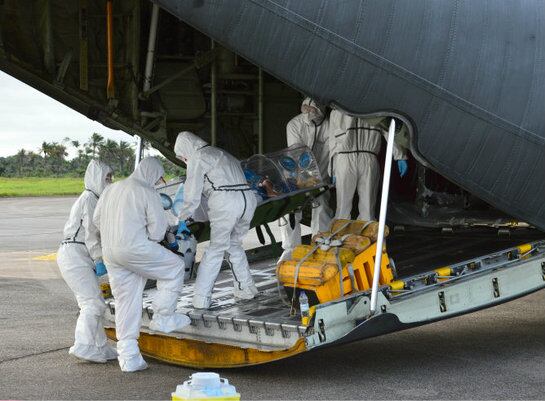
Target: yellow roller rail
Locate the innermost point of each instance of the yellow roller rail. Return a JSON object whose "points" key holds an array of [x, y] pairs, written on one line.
{"points": [[199, 354], [524, 248]]}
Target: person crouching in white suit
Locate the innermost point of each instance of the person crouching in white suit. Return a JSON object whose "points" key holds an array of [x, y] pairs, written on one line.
{"points": [[231, 205], [80, 262], [132, 222]]}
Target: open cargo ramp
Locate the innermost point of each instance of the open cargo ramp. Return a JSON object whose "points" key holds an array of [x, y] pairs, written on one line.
{"points": [[239, 334]]}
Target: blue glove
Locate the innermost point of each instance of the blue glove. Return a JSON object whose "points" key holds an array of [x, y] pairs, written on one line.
{"points": [[183, 231], [100, 269], [403, 167], [333, 180], [173, 246]]}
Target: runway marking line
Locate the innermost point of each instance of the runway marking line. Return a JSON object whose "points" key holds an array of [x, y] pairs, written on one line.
{"points": [[48, 257]]}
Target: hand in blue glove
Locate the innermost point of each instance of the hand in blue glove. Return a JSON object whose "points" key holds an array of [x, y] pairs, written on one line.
{"points": [[183, 230], [403, 167], [333, 180], [100, 269], [173, 246]]}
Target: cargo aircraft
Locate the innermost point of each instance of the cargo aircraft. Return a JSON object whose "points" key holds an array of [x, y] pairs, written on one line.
{"points": [[465, 81]]}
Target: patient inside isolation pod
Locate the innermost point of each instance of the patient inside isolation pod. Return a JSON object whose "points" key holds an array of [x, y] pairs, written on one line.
{"points": [[270, 176], [274, 176], [282, 172]]}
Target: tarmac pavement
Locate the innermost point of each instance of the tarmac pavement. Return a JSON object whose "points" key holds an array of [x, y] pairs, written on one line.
{"points": [[498, 353]]}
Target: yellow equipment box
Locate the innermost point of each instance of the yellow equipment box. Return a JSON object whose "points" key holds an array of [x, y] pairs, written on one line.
{"points": [[319, 255], [319, 275], [368, 229], [366, 262], [319, 279], [356, 243]]}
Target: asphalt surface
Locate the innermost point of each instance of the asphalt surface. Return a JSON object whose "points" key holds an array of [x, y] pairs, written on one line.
{"points": [[498, 353]]}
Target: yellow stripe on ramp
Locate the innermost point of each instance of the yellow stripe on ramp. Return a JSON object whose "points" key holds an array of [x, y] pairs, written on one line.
{"points": [[50, 257], [200, 354]]}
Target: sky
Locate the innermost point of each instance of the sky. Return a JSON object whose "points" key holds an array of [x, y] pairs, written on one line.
{"points": [[28, 117]]}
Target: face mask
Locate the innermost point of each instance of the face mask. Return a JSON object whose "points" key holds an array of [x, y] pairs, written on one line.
{"points": [[313, 116]]}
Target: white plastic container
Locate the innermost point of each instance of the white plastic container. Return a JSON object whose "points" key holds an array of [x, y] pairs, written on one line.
{"points": [[206, 386]]}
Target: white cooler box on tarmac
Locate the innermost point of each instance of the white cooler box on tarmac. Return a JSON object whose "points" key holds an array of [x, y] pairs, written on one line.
{"points": [[206, 386]]}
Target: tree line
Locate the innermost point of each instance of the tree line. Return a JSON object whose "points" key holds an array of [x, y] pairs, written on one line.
{"points": [[51, 160]]}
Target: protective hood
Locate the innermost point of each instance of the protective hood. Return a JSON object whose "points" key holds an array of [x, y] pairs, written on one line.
{"points": [[187, 144], [149, 170], [317, 117], [95, 176]]}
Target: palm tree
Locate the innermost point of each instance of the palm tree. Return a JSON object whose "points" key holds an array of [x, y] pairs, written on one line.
{"points": [[33, 161], [108, 153], [94, 143], [125, 156], [21, 155], [57, 153], [45, 149]]}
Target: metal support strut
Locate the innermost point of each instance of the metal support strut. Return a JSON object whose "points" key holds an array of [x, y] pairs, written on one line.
{"points": [[213, 99], [383, 211], [110, 88], [148, 71], [260, 114]]}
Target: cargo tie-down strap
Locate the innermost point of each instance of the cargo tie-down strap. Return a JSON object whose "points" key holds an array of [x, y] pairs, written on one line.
{"points": [[329, 242], [325, 244], [260, 235]]}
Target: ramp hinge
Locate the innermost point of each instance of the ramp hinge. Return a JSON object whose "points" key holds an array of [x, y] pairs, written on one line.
{"points": [[442, 302], [496, 287]]}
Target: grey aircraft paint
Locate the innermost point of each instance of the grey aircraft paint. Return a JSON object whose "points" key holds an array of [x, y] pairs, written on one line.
{"points": [[469, 75]]}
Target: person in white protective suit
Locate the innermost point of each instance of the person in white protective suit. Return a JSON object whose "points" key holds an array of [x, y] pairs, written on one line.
{"points": [[80, 261], [310, 128], [132, 221], [231, 205], [354, 147]]}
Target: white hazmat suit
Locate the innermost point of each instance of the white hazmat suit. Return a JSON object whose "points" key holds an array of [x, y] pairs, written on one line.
{"points": [[77, 255], [354, 147], [231, 205], [310, 128], [132, 221]]}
